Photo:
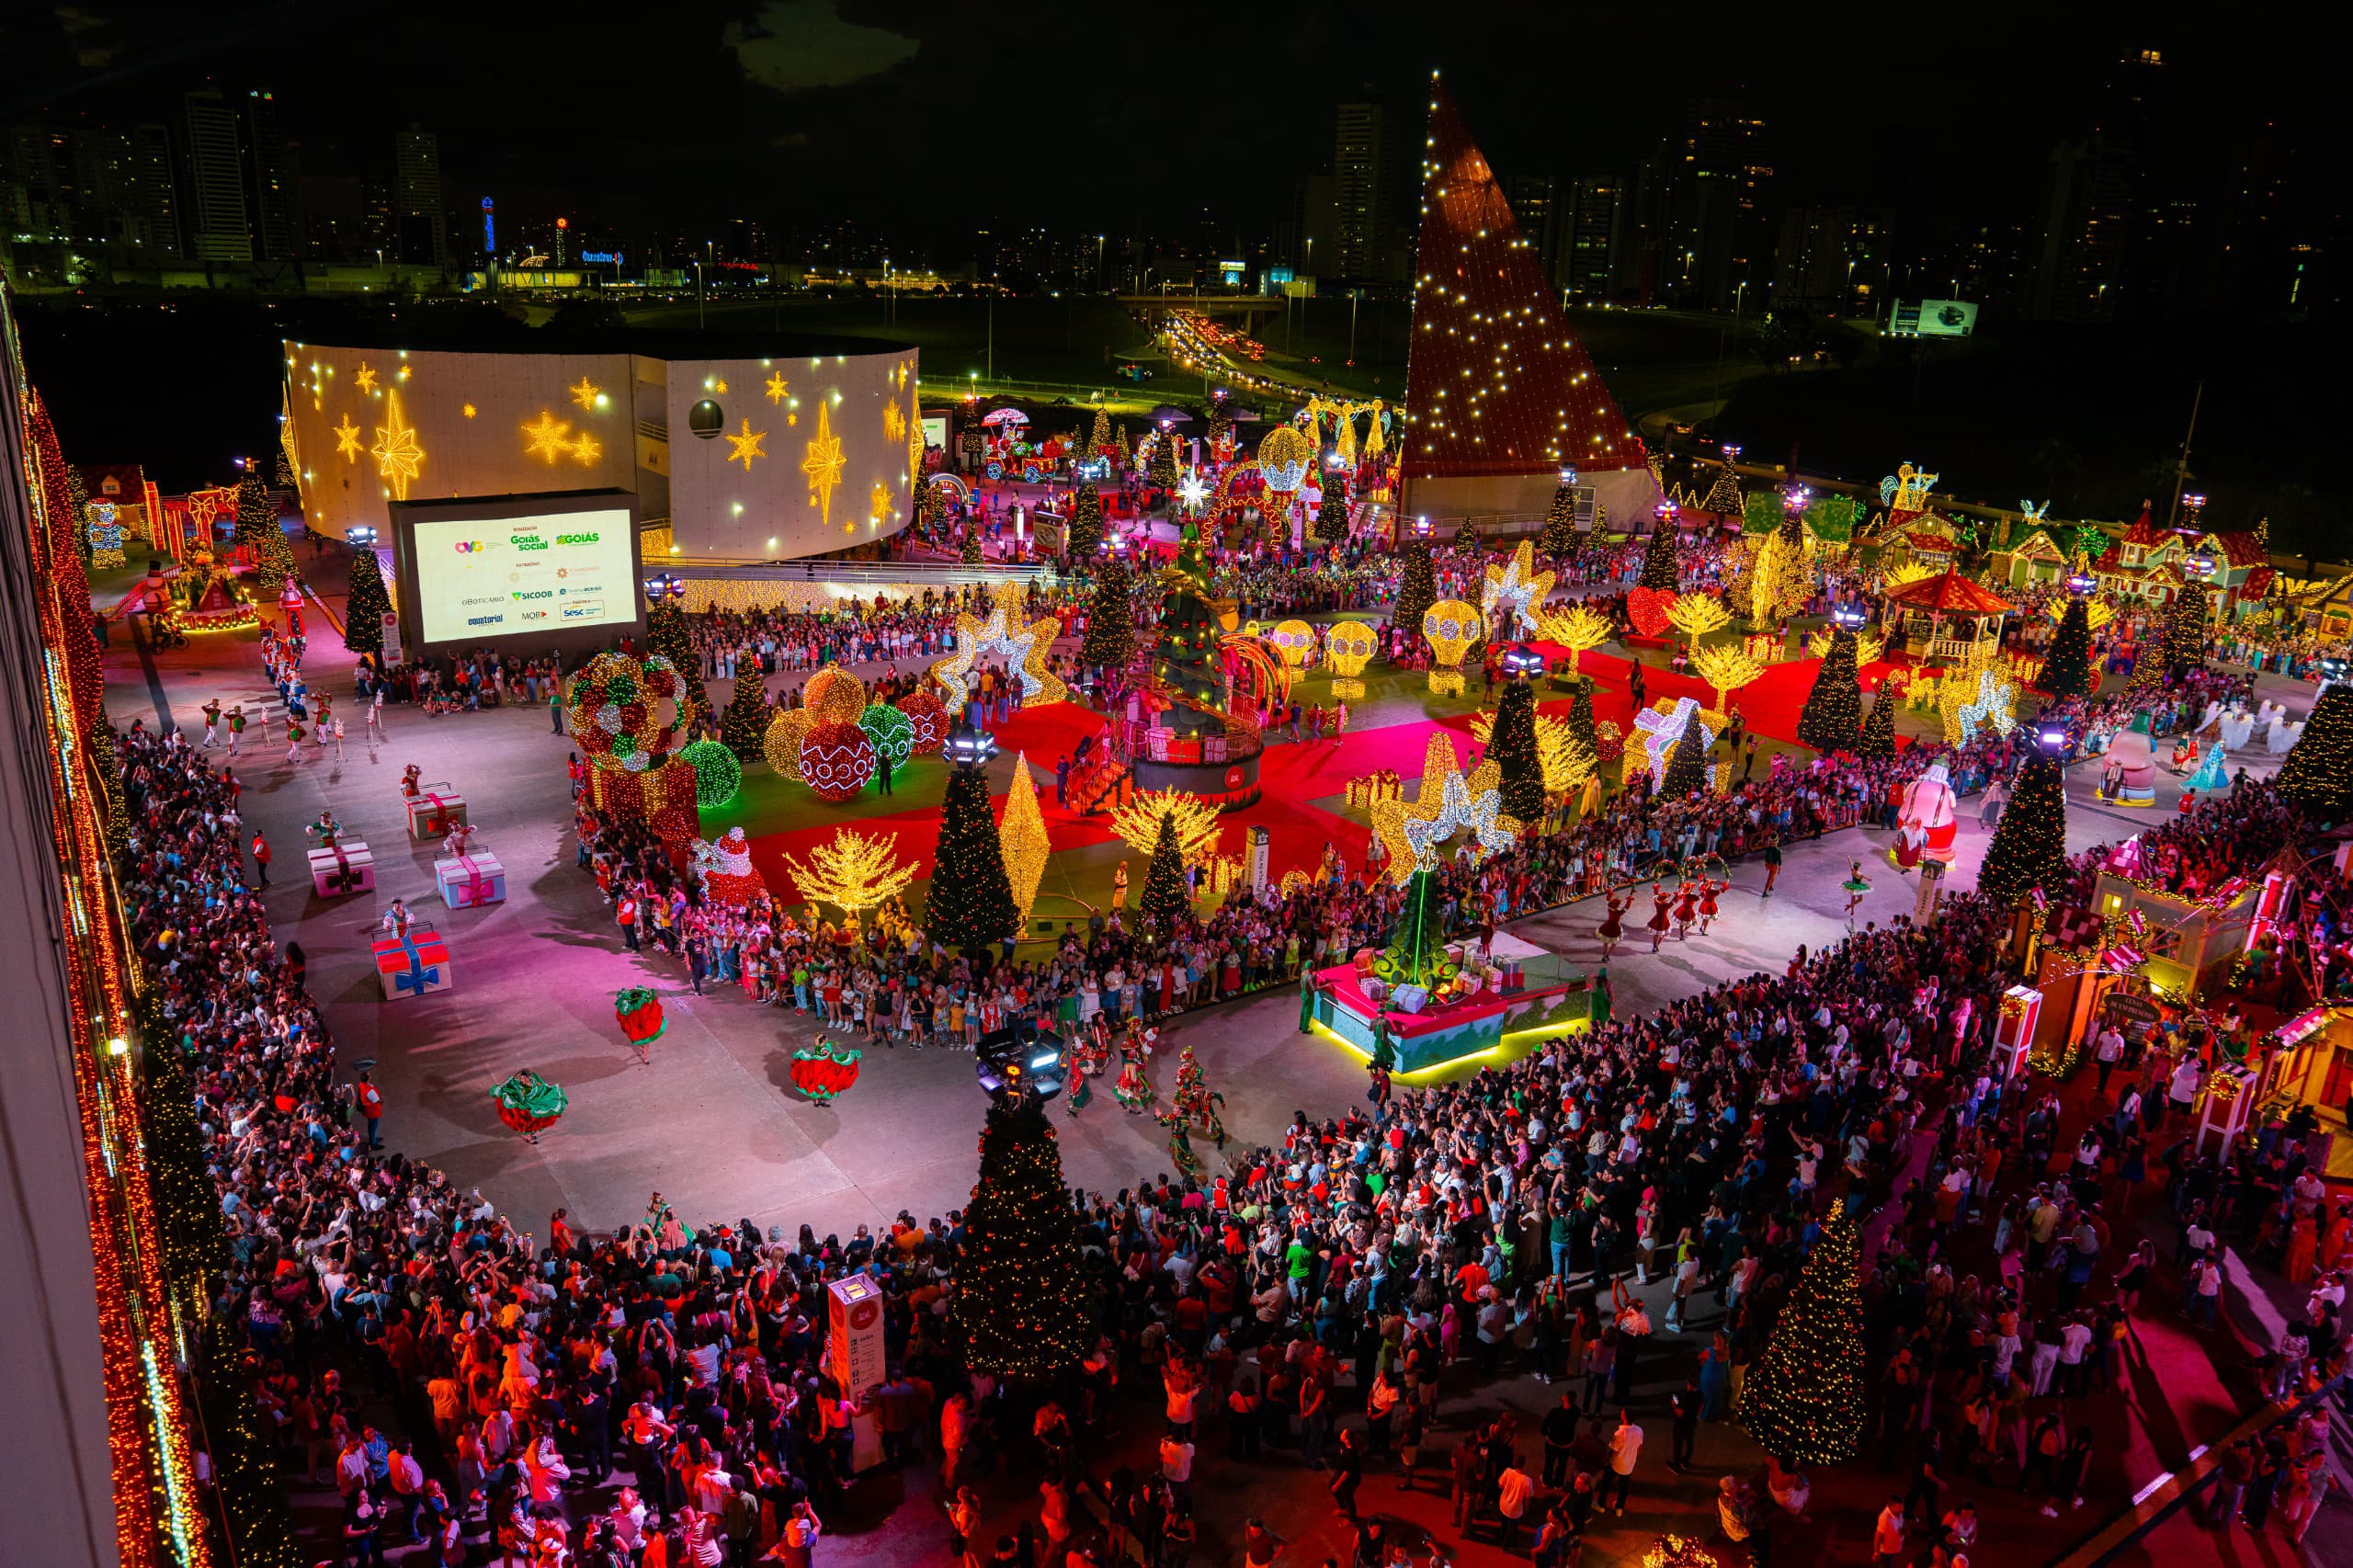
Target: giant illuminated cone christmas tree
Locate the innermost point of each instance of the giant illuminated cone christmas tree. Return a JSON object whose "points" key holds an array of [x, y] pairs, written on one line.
{"points": [[970, 903], [2029, 847], [1804, 1397], [1191, 656], [2067, 668], [1832, 719], [2319, 769], [1020, 1310]]}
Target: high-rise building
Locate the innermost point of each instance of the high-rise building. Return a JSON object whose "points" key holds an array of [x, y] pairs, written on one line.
{"points": [[153, 193], [1716, 238], [1360, 200], [2095, 188], [417, 213], [1833, 258], [1595, 224], [38, 190], [269, 180], [219, 228], [1536, 202]]}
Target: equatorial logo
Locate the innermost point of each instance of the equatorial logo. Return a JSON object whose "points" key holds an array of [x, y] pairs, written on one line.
{"points": [[485, 620]]}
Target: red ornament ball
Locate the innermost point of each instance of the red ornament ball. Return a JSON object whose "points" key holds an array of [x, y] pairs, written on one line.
{"points": [[929, 716], [836, 760]]}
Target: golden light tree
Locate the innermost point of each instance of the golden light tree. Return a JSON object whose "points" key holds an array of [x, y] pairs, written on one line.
{"points": [[1727, 667], [1138, 823], [2097, 613], [856, 871], [1021, 835], [1567, 761], [1577, 629], [1910, 572], [1696, 614]]}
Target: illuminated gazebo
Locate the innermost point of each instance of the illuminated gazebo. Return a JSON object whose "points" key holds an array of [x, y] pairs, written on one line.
{"points": [[1944, 617]]}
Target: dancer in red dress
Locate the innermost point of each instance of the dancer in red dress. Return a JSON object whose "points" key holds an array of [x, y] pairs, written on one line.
{"points": [[1687, 909], [1657, 922], [1613, 925], [1709, 889]]}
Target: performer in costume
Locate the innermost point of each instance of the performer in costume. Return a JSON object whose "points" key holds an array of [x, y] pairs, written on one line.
{"points": [[1687, 910], [528, 1104], [1133, 1089], [1613, 923], [1180, 1143], [1856, 885], [1708, 888], [1660, 899], [409, 777], [461, 840], [325, 830]]}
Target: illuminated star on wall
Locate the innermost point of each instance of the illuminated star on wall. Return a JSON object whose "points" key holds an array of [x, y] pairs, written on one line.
{"points": [[878, 502], [584, 394], [778, 387], [468, 411], [894, 422], [399, 458], [586, 450], [747, 446], [347, 440], [365, 377], [822, 462], [547, 437]]}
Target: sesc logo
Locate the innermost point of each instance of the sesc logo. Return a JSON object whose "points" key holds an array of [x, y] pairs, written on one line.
{"points": [[527, 542], [486, 620], [583, 609], [471, 546], [535, 594], [575, 539]]}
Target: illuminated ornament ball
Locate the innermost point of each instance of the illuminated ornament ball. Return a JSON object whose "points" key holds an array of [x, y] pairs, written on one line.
{"points": [[782, 744], [1450, 627], [616, 710], [1284, 458], [835, 697], [1293, 641], [1348, 647], [836, 760], [891, 731], [927, 721], [717, 773]]}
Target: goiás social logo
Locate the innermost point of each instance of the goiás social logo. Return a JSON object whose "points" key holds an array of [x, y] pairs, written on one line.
{"points": [[527, 542]]}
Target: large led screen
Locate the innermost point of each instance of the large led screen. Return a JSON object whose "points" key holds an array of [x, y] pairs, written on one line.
{"points": [[479, 578]]}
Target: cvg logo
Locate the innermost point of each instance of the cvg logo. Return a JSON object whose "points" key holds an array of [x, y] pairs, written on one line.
{"points": [[471, 546]]}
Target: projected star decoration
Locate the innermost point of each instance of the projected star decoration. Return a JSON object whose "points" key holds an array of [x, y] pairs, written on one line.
{"points": [[586, 450], [778, 387], [347, 440], [1451, 802], [584, 394], [822, 463], [547, 437], [365, 377], [399, 456], [1516, 586]]}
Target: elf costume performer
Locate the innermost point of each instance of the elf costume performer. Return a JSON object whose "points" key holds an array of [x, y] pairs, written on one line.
{"points": [[410, 787], [528, 1104], [325, 830], [1180, 1143]]}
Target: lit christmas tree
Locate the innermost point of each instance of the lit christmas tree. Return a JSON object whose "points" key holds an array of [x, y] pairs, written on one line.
{"points": [[2029, 847], [970, 903], [1513, 748], [973, 556], [744, 724], [1878, 729], [1166, 899], [1687, 772], [365, 604], [1331, 515], [1098, 439], [1723, 496], [2067, 668], [1833, 717], [273, 561], [1659, 570], [666, 633], [1163, 461], [1580, 720], [2319, 769], [257, 512], [2186, 626], [1803, 1400], [78, 491], [1020, 1310], [1416, 591], [1085, 532], [1110, 639], [1188, 656], [1560, 524]]}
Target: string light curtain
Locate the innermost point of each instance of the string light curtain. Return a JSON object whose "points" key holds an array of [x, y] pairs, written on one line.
{"points": [[1495, 381]]}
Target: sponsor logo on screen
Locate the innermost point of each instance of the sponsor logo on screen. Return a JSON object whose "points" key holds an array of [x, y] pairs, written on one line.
{"points": [[527, 542], [485, 600], [583, 609], [485, 620], [471, 546], [575, 539], [535, 615], [535, 594]]}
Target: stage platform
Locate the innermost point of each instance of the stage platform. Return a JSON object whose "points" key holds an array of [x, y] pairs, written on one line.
{"points": [[1553, 997]]}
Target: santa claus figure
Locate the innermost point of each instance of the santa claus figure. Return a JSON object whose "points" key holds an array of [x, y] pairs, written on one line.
{"points": [[1924, 828], [725, 869]]}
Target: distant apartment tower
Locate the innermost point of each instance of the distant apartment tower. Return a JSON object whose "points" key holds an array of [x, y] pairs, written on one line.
{"points": [[2094, 188], [418, 217], [1360, 173], [1833, 258], [239, 191], [1535, 202], [1595, 224]]}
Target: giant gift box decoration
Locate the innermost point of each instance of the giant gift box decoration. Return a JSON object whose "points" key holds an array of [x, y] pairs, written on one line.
{"points": [[434, 810], [413, 964], [470, 880], [347, 868]]}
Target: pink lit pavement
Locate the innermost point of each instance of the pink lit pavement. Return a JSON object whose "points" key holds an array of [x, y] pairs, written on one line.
{"points": [[712, 1122]]}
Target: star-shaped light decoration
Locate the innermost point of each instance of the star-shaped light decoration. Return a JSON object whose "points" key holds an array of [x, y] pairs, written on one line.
{"points": [[470, 411], [547, 437], [915, 442], [822, 463], [746, 444], [399, 458], [586, 450], [894, 422], [1023, 644], [365, 377], [1450, 801], [1994, 697], [347, 440], [1661, 730], [584, 394], [878, 502], [778, 386], [1517, 587], [1192, 490]]}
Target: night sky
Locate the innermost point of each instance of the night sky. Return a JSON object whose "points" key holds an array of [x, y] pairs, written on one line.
{"points": [[929, 115]]}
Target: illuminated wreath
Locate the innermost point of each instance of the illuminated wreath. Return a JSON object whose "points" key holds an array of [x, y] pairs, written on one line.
{"points": [[926, 719], [893, 733], [836, 760], [616, 715], [834, 697]]}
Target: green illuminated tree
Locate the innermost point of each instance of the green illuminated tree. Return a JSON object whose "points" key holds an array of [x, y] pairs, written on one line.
{"points": [[1511, 745], [1165, 898], [744, 723], [1832, 718], [667, 633], [2319, 769], [1659, 569], [1020, 1232], [365, 604], [1560, 524], [1416, 591], [1110, 639], [1084, 537], [970, 903], [2029, 847], [1878, 729], [2067, 668], [1804, 1397]]}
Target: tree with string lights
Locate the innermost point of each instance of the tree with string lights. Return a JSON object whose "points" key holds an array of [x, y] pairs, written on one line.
{"points": [[743, 725], [1416, 591], [1878, 730], [1833, 716], [2067, 668], [2029, 847], [1512, 746], [1560, 537], [970, 903], [1019, 1308], [1084, 537], [1331, 515], [1110, 639], [2318, 772], [1803, 1400], [1167, 900], [1687, 769], [365, 604]]}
